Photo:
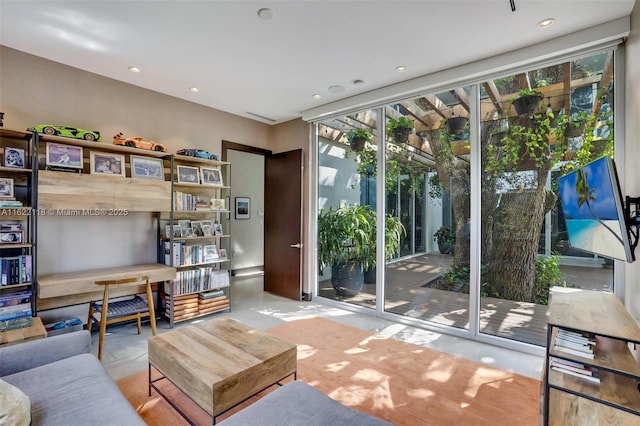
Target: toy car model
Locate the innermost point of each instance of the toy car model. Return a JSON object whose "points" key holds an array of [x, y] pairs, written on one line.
{"points": [[200, 153], [67, 131], [138, 142]]}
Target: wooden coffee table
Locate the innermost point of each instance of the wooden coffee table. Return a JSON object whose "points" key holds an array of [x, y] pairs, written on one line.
{"points": [[219, 363]]}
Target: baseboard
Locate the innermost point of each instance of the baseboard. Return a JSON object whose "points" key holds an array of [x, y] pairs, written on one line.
{"points": [[252, 270]]}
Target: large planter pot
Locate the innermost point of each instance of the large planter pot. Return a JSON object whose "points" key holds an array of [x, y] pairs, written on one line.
{"points": [[456, 125], [370, 275], [400, 134], [526, 104], [347, 279], [357, 143]]}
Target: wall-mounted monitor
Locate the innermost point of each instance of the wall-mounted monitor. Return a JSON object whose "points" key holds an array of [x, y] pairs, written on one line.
{"points": [[594, 210]]}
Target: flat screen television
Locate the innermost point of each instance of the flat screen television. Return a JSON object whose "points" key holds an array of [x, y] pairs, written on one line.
{"points": [[594, 211]]}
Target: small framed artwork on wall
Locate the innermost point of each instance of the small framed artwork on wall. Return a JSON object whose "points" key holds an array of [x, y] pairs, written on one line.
{"points": [[243, 208]]}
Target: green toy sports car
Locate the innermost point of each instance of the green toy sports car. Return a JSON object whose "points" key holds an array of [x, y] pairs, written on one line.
{"points": [[67, 131]]}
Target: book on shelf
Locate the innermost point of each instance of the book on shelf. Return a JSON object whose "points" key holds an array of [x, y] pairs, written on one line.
{"points": [[584, 354], [580, 344], [17, 323], [576, 367]]}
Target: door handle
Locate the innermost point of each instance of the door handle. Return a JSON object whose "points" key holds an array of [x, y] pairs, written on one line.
{"points": [[298, 245]]}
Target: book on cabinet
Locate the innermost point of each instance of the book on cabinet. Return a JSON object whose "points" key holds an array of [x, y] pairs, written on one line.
{"points": [[194, 241], [590, 373], [18, 215]]}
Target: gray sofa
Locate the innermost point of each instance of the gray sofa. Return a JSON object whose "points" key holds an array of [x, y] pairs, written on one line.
{"points": [[298, 403], [65, 383]]}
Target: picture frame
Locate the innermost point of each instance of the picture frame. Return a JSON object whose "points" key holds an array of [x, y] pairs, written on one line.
{"points": [[211, 176], [210, 253], [146, 167], [6, 188], [11, 237], [14, 157], [64, 156], [222, 254], [243, 208], [217, 229], [188, 174], [196, 225], [103, 163], [206, 230]]}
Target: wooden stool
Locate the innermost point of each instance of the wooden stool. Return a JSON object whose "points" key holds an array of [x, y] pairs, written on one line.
{"points": [[122, 310]]}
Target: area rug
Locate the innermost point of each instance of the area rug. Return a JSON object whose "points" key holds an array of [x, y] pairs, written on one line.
{"points": [[400, 382]]}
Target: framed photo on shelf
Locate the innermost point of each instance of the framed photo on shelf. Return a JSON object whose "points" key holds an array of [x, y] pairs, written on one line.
{"points": [[196, 225], [206, 230], [222, 253], [186, 232], [210, 253], [211, 176], [6, 187], [107, 164], [147, 168], [188, 174], [243, 208], [217, 229], [67, 156], [10, 237], [14, 157]]}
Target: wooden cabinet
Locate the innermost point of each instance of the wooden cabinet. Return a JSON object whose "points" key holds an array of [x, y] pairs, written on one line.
{"points": [[604, 389], [18, 216], [195, 239]]}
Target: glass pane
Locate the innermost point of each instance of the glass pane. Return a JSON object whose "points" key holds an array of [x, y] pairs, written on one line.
{"points": [[427, 188], [347, 208], [535, 131]]}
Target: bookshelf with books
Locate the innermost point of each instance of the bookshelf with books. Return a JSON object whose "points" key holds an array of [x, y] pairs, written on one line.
{"points": [[591, 376], [194, 239], [18, 214]]}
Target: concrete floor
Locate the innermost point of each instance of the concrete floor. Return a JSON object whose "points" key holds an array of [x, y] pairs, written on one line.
{"points": [[125, 352]]}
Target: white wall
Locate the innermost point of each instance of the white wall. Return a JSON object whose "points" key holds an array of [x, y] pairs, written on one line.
{"points": [[247, 235], [631, 180]]}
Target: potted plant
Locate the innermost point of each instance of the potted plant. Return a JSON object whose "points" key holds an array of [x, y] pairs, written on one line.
{"points": [[456, 125], [358, 138], [347, 244], [446, 239], [527, 101], [573, 126], [399, 129]]}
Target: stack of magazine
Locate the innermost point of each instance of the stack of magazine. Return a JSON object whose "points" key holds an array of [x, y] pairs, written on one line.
{"points": [[575, 369], [574, 343]]}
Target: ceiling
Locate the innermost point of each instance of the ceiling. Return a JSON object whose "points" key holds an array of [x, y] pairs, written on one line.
{"points": [[269, 69]]}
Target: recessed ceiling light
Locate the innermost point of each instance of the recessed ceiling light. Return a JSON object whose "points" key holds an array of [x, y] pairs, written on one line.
{"points": [[546, 23], [316, 96], [401, 68], [194, 89], [266, 13], [335, 89], [134, 69]]}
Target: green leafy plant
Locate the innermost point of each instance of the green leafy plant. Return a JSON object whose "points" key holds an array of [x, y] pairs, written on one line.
{"points": [[530, 92], [348, 234], [359, 133], [401, 122], [548, 274]]}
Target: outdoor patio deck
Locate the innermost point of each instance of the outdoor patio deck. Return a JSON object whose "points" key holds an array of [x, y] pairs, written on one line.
{"points": [[405, 295]]}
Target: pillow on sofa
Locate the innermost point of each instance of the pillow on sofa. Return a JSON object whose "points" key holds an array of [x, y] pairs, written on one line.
{"points": [[15, 407]]}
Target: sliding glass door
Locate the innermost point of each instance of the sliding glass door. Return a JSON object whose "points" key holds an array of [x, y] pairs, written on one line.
{"points": [[470, 203]]}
